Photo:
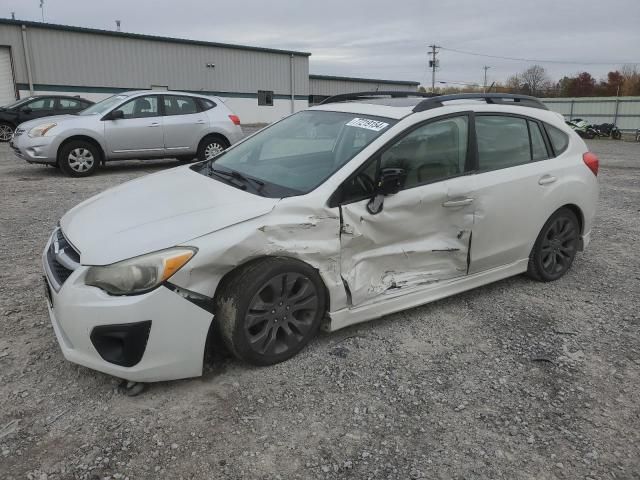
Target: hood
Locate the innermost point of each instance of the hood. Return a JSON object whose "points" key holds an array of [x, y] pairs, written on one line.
{"points": [[154, 212], [59, 119]]}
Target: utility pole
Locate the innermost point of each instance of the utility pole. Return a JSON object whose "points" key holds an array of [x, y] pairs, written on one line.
{"points": [[13, 15], [118, 25], [42, 9], [433, 63], [484, 85]]}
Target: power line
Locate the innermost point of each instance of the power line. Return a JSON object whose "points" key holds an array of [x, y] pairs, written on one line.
{"points": [[533, 60]]}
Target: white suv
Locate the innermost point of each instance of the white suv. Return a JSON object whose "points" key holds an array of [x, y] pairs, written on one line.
{"points": [[140, 124], [357, 208]]}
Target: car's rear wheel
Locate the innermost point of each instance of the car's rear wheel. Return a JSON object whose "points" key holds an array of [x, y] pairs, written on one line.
{"points": [[211, 146], [270, 309], [556, 247], [79, 158], [6, 131], [616, 134]]}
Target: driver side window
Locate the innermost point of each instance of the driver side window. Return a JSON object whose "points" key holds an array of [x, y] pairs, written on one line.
{"points": [[140, 107], [432, 152]]}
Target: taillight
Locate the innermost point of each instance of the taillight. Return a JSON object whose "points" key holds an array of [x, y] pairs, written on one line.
{"points": [[235, 119], [591, 161]]}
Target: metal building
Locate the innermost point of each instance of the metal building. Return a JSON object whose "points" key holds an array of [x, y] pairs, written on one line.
{"points": [[323, 86], [259, 84]]}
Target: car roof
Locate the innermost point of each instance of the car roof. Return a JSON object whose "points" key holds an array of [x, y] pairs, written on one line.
{"points": [[398, 105]]}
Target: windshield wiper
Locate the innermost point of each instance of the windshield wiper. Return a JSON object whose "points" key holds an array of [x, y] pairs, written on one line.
{"points": [[237, 176]]}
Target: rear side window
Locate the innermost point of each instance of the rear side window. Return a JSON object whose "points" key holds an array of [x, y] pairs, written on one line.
{"points": [[503, 142], [559, 139], [206, 104], [538, 148], [174, 105]]}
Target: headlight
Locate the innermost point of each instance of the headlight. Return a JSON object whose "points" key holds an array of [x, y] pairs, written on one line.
{"points": [[41, 130], [140, 274]]}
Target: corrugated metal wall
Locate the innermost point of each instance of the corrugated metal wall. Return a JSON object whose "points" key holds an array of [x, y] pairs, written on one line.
{"points": [[333, 86], [623, 111], [72, 58]]}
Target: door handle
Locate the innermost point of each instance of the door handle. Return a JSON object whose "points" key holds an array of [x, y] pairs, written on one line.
{"points": [[200, 122], [547, 179], [458, 203], [154, 124]]}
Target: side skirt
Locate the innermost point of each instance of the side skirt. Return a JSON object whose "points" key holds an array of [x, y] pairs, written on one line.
{"points": [[349, 316]]}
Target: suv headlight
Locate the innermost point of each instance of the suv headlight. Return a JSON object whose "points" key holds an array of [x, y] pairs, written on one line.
{"points": [[41, 130], [139, 274]]}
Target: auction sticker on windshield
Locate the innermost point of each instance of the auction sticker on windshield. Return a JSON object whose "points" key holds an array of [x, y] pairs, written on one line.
{"points": [[367, 123]]}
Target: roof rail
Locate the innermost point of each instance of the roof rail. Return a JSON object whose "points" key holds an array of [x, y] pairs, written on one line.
{"points": [[491, 98], [345, 97]]}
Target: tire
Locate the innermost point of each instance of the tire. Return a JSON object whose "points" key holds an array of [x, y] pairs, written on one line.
{"points": [[210, 146], [589, 134], [6, 131], [270, 309], [556, 247], [79, 158], [616, 134]]}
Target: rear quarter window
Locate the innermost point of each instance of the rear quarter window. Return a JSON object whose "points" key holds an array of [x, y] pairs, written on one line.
{"points": [[559, 139]]}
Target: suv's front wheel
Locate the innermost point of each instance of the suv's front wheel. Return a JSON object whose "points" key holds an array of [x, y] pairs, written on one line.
{"points": [[79, 158]]}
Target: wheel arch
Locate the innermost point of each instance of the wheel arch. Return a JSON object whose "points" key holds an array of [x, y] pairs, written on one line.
{"points": [[214, 134], [85, 138], [227, 276]]}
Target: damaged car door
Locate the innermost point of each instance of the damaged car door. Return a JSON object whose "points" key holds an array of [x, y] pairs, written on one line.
{"points": [[419, 233]]}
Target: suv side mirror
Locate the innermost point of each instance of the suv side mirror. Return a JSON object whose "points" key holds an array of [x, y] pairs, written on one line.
{"points": [[390, 182], [116, 115]]}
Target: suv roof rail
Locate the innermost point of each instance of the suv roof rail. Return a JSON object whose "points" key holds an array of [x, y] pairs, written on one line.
{"points": [[345, 97], [492, 98]]}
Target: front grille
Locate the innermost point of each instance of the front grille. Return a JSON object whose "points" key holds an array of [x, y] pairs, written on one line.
{"points": [[18, 132], [62, 259], [17, 151]]}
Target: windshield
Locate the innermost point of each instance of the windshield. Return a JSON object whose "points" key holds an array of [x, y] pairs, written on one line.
{"points": [[103, 106], [298, 153], [18, 103]]}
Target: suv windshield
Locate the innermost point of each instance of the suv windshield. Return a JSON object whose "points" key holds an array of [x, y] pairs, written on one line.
{"points": [[297, 154], [103, 106]]}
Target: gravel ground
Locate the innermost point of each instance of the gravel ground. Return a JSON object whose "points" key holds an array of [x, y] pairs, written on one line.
{"points": [[515, 380]]}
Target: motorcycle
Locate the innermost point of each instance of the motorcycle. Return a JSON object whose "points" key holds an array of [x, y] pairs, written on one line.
{"points": [[582, 128], [608, 130]]}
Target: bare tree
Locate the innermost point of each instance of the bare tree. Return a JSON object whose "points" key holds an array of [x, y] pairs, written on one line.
{"points": [[535, 80], [514, 83]]}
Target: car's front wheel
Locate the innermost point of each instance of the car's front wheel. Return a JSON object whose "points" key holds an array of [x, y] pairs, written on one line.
{"points": [[556, 247], [211, 146], [6, 131], [79, 158], [270, 309]]}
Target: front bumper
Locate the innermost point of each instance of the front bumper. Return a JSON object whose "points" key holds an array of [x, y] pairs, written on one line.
{"points": [[176, 339], [34, 150]]}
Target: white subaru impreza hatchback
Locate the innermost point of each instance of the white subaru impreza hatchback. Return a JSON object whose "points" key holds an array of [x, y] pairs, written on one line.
{"points": [[365, 205]]}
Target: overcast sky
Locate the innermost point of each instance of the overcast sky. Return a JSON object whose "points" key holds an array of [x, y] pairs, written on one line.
{"points": [[384, 39]]}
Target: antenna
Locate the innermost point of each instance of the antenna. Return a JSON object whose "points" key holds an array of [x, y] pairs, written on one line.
{"points": [[118, 25]]}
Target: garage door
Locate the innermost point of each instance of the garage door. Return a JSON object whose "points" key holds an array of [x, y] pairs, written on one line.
{"points": [[7, 89]]}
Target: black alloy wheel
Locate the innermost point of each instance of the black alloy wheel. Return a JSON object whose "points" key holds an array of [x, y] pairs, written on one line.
{"points": [[556, 247], [269, 309]]}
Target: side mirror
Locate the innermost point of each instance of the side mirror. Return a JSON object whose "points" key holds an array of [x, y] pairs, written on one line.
{"points": [[27, 110], [116, 115], [390, 182]]}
